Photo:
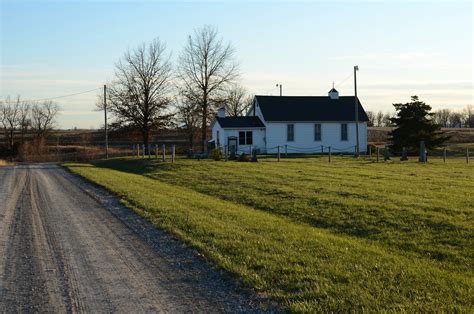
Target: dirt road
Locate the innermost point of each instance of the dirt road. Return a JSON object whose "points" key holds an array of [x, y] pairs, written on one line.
{"points": [[66, 246]]}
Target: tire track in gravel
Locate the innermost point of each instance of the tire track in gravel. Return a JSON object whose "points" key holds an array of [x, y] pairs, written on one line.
{"points": [[70, 247]]}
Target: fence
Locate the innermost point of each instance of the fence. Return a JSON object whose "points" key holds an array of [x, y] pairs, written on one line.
{"points": [[377, 152], [165, 152], [154, 151]]}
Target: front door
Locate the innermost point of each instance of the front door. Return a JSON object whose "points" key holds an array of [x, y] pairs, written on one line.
{"points": [[232, 145]]}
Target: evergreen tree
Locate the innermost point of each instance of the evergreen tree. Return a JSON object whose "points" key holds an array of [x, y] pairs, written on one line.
{"points": [[413, 123]]}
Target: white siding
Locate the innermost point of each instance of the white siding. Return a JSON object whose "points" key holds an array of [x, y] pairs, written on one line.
{"points": [[304, 137], [258, 137], [217, 127]]}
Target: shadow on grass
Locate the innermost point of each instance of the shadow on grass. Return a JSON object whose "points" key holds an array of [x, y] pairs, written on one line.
{"points": [[136, 166]]}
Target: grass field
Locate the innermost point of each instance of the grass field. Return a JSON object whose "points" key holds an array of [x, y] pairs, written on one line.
{"points": [[4, 163], [352, 234]]}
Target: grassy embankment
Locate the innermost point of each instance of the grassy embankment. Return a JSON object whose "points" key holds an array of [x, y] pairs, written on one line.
{"points": [[4, 163], [314, 236]]}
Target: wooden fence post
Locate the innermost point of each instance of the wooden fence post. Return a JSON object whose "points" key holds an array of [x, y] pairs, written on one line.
{"points": [[143, 150], [138, 150], [444, 154], [278, 152], [370, 151], [172, 153], [329, 155], [467, 155], [322, 149], [149, 151], [378, 153], [386, 153], [163, 153], [286, 150]]}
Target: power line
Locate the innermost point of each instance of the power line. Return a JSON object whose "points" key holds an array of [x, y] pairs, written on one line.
{"points": [[338, 84], [64, 96]]}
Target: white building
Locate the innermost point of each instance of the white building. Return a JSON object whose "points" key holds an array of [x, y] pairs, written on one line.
{"points": [[295, 124]]}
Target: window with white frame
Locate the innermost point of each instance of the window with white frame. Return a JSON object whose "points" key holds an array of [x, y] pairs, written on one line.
{"points": [[245, 138], [290, 132], [317, 132], [344, 136]]}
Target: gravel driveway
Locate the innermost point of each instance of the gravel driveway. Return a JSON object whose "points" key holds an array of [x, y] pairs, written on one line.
{"points": [[67, 246]]}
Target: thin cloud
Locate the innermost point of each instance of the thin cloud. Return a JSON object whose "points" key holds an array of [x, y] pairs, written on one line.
{"points": [[392, 56]]}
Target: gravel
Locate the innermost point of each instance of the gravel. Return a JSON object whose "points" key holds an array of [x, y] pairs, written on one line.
{"points": [[69, 246]]}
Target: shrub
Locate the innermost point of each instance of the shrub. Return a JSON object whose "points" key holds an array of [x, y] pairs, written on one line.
{"points": [[216, 154], [244, 157]]}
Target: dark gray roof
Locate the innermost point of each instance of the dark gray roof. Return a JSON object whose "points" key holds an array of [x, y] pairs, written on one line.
{"points": [[240, 122], [309, 108], [333, 90]]}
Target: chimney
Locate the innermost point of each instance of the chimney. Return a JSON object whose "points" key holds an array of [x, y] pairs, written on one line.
{"points": [[221, 112]]}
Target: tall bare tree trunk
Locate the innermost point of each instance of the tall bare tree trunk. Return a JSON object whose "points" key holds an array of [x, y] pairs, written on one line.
{"points": [[204, 124], [146, 135], [206, 67]]}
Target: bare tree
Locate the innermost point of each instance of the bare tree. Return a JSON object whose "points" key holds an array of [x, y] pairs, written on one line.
{"points": [[379, 118], [188, 117], [469, 116], [456, 120], [43, 118], [386, 120], [24, 119], [140, 95], [442, 117], [371, 116], [206, 67], [10, 121], [236, 100]]}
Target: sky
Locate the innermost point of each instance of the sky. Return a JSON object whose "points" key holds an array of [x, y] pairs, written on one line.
{"points": [[402, 48]]}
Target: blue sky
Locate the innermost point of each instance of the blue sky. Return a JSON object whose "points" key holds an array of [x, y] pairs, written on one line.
{"points": [[53, 48]]}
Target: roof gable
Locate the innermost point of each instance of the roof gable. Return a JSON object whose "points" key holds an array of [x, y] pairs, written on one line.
{"points": [[309, 108]]}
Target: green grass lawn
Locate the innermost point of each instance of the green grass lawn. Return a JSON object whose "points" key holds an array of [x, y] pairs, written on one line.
{"points": [[317, 236]]}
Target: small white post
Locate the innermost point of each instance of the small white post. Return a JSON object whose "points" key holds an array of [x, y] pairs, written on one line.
{"points": [[163, 152], [378, 153], [286, 150]]}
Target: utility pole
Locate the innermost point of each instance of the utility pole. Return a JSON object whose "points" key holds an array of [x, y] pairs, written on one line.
{"points": [[105, 125], [356, 104], [279, 85]]}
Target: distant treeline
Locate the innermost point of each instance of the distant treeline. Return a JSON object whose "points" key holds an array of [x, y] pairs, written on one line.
{"points": [[446, 118]]}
